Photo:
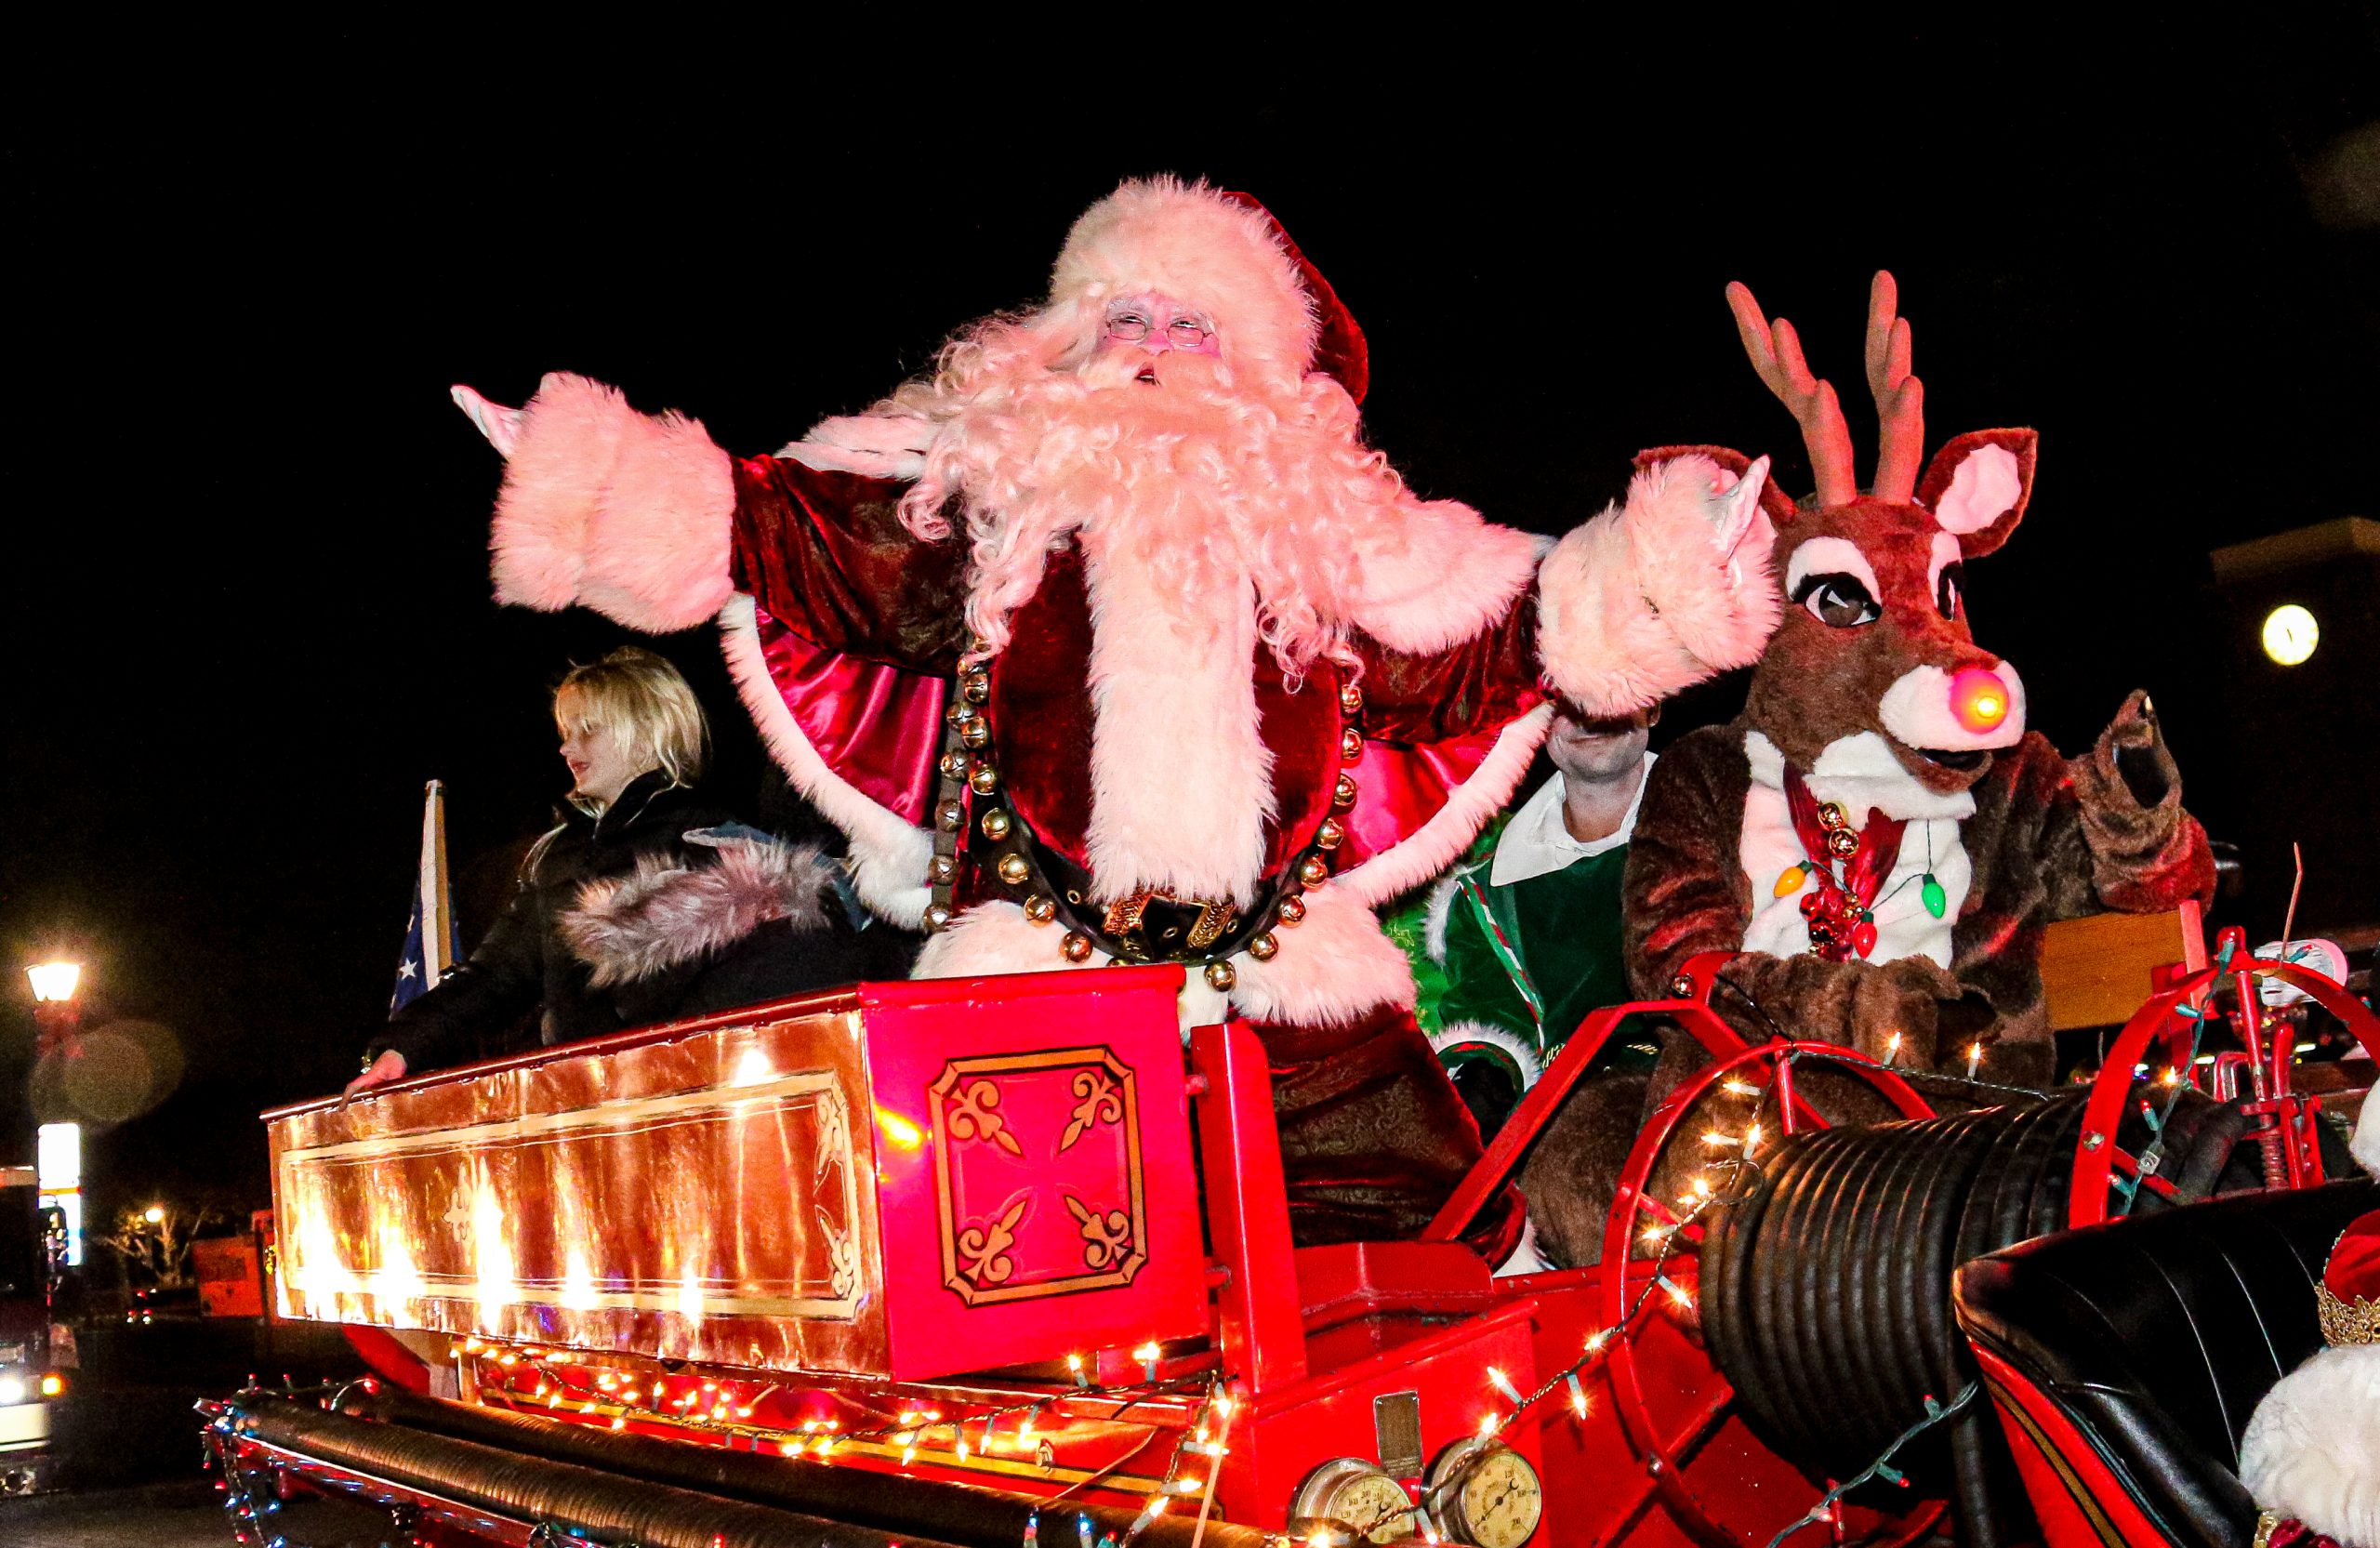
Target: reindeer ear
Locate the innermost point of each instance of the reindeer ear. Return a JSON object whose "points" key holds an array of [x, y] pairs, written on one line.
{"points": [[1779, 505], [1977, 485]]}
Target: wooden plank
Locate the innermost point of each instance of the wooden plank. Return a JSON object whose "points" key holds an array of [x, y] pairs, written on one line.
{"points": [[2097, 970]]}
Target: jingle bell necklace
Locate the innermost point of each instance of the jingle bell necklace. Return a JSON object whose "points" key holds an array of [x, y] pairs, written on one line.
{"points": [[1849, 865]]}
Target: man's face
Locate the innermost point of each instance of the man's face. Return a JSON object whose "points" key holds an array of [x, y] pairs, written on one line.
{"points": [[1595, 748], [1156, 326]]}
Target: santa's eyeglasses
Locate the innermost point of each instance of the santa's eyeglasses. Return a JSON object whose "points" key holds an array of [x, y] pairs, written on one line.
{"points": [[1135, 327]]}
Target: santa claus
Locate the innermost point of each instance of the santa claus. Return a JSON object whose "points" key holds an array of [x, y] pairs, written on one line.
{"points": [[1111, 640]]}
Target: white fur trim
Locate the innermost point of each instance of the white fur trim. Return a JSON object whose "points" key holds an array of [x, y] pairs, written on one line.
{"points": [[2312, 1447], [1438, 914], [995, 938], [1437, 843], [657, 555], [605, 507], [1523, 1051], [889, 853], [1440, 576], [1640, 602], [881, 446], [1181, 779], [568, 437], [1189, 244], [2365, 1145], [1989, 481], [1917, 710], [665, 914], [1333, 968]]}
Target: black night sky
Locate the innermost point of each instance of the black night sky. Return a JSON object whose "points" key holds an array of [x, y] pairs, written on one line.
{"points": [[245, 581]]}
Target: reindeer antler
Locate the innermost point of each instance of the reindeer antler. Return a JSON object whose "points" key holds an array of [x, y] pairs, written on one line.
{"points": [[1900, 397], [1775, 352]]}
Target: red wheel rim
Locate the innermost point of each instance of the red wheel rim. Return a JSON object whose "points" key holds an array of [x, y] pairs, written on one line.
{"points": [[1665, 1455], [2096, 1154]]}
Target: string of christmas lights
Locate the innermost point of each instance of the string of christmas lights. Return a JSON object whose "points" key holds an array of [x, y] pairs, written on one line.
{"points": [[1881, 1467]]}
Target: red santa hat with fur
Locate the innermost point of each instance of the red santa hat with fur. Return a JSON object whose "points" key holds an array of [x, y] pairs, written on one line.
{"points": [[1224, 253], [2311, 1453]]}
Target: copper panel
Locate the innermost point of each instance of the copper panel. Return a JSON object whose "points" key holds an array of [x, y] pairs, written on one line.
{"points": [[907, 1179], [697, 1194]]}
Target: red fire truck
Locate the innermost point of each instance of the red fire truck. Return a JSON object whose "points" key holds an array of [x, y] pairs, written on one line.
{"points": [[1007, 1262]]}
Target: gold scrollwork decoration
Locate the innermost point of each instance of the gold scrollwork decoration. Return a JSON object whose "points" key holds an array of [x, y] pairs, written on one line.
{"points": [[834, 1141], [843, 1258], [1099, 1100], [1107, 1237], [973, 1116], [985, 1247]]}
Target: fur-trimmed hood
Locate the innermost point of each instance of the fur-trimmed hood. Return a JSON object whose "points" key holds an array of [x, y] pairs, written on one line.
{"points": [[666, 914]]}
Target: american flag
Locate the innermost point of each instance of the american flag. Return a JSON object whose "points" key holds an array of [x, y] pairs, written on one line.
{"points": [[430, 943]]}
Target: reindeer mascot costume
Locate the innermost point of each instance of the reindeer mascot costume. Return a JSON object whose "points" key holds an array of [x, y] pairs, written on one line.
{"points": [[1112, 642], [1878, 835]]}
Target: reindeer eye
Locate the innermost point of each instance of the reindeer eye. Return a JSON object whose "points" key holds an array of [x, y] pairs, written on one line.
{"points": [[1837, 600], [1949, 587]]}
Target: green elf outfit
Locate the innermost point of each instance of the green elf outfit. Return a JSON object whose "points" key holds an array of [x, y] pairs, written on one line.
{"points": [[1528, 941]]}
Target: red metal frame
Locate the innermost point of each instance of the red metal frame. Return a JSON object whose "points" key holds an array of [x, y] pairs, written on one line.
{"points": [[1306, 1340], [2293, 1158]]}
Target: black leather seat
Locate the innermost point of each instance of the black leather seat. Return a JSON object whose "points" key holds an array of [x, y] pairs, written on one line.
{"points": [[2127, 1359]]}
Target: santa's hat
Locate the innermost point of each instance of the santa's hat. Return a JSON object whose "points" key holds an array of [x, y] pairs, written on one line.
{"points": [[2312, 1450], [1226, 255]]}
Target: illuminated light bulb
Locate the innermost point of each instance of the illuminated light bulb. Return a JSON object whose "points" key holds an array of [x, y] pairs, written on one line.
{"points": [[1741, 1088], [1892, 1048], [1701, 1187], [908, 1455], [1430, 1535], [1488, 1427], [2170, 1077], [792, 1448], [1978, 699], [1715, 1137], [1597, 1340], [1503, 1383], [2289, 634], [743, 1413], [1678, 1294], [1222, 1405], [1752, 1138], [1578, 1395], [1188, 1486], [1975, 1057], [960, 1450], [1157, 1506], [619, 1422]]}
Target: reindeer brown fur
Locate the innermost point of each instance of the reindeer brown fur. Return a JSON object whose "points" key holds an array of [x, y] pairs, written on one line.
{"points": [[1859, 692]]}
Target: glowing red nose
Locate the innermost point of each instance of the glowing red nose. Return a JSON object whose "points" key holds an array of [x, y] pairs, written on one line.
{"points": [[1978, 699]]}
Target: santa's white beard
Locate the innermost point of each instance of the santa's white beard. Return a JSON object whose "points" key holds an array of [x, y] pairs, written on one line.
{"points": [[1208, 484], [1190, 503]]}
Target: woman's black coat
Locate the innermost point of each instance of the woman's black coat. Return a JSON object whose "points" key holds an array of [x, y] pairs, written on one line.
{"points": [[659, 910]]}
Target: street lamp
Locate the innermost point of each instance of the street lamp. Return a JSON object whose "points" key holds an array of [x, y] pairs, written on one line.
{"points": [[55, 982], [56, 1014]]}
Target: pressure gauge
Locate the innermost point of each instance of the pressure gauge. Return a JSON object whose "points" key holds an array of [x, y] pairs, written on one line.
{"points": [[1352, 1493], [1484, 1493]]}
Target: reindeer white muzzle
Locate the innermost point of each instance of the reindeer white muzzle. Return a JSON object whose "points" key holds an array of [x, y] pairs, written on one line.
{"points": [[1974, 709]]}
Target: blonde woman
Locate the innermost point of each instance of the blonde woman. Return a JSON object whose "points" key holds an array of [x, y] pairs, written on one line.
{"points": [[646, 904]]}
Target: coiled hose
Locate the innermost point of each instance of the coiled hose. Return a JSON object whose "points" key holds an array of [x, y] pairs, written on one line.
{"points": [[1826, 1285]]}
